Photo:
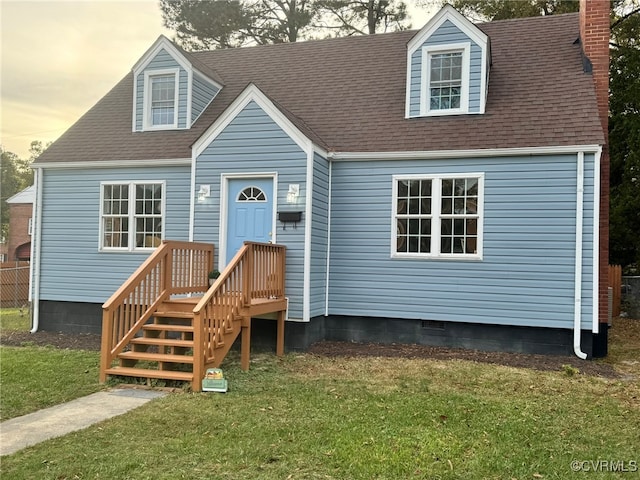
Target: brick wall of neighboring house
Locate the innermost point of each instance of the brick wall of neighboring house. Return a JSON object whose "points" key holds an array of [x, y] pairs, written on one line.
{"points": [[594, 35], [19, 215]]}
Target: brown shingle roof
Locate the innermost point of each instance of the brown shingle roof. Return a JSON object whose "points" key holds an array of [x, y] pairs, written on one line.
{"points": [[348, 95]]}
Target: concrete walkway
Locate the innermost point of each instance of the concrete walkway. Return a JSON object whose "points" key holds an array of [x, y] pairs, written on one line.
{"points": [[18, 433]]}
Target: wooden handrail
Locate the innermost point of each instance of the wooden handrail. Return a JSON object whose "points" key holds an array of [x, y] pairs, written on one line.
{"points": [[173, 268], [255, 272]]}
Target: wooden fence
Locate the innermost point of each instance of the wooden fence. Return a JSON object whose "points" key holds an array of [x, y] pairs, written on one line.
{"points": [[14, 284], [615, 282]]}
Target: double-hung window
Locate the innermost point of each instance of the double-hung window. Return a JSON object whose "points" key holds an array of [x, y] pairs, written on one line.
{"points": [[438, 216], [445, 74], [132, 215], [161, 99]]}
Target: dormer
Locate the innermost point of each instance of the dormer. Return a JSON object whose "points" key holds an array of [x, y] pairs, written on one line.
{"points": [[447, 67], [170, 88]]}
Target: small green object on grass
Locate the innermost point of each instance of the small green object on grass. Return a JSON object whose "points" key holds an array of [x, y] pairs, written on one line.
{"points": [[214, 381]]}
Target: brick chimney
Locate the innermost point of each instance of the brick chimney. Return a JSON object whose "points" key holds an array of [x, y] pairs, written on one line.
{"points": [[594, 37]]}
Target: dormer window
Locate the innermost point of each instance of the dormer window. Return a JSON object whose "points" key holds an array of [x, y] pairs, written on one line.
{"points": [[445, 89], [171, 88], [447, 67], [161, 99]]}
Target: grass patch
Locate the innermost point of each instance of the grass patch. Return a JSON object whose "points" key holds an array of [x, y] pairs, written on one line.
{"points": [[307, 417], [15, 319], [624, 346], [37, 377]]}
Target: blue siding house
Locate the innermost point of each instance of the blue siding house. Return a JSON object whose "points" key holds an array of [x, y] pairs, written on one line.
{"points": [[440, 187]]}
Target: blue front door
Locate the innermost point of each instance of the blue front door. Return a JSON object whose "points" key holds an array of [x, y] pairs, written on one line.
{"points": [[250, 212]]}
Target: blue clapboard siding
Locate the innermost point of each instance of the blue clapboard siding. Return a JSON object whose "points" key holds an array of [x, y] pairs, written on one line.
{"points": [[201, 95], [254, 143], [163, 60], [447, 33], [72, 268], [319, 235], [526, 277]]}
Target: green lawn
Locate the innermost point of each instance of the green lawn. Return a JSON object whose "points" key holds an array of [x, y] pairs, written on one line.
{"points": [[32, 378], [37, 377], [15, 319], [306, 417]]}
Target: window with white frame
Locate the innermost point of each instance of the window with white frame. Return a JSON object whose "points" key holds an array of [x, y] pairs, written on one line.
{"points": [[30, 227], [161, 99], [445, 88], [132, 215], [438, 216]]}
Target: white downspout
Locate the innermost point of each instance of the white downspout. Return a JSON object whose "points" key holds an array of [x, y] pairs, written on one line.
{"points": [[578, 270], [36, 251]]}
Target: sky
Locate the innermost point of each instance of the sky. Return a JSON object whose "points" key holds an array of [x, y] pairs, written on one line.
{"points": [[58, 58]]}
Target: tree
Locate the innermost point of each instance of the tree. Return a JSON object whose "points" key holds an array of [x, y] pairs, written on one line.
{"points": [[482, 10], [360, 17], [205, 24], [15, 175], [624, 133]]}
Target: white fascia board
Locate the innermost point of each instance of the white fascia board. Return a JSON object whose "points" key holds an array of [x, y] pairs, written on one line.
{"points": [[447, 13], [162, 43], [472, 153], [163, 162], [251, 93]]}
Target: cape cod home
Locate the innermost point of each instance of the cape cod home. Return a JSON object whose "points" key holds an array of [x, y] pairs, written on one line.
{"points": [[446, 186]]}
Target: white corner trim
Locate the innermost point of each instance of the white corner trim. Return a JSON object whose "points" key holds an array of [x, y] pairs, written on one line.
{"points": [[192, 200], [596, 241], [471, 153], [328, 260], [135, 102], [249, 94], [308, 219], [150, 162]]}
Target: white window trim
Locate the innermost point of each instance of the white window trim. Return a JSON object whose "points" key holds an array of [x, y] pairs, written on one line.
{"points": [[436, 217], [131, 247], [427, 52], [30, 227], [147, 120]]}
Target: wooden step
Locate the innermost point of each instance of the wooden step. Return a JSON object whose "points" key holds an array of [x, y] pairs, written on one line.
{"points": [[162, 342], [168, 327], [155, 357], [180, 304], [144, 373], [173, 314]]}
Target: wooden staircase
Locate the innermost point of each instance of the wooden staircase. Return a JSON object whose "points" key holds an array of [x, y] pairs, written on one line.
{"points": [[152, 331], [165, 347]]}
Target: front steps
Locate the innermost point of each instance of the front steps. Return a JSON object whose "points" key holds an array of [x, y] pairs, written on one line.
{"points": [[165, 348]]}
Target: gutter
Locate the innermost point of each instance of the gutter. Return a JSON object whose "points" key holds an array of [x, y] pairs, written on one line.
{"points": [[35, 272], [577, 316]]}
